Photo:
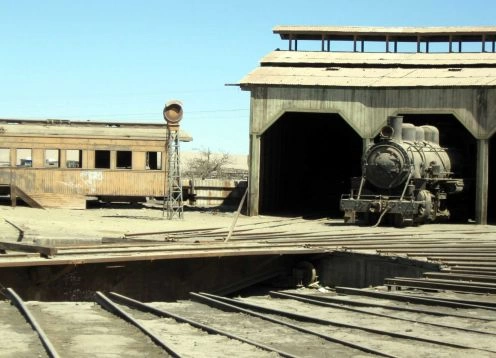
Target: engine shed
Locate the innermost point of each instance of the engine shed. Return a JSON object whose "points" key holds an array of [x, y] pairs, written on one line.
{"points": [[317, 105]]}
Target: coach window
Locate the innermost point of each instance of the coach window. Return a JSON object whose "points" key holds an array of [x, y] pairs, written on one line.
{"points": [[52, 158], [23, 157], [102, 159], [4, 157], [124, 159], [154, 160], [74, 158]]}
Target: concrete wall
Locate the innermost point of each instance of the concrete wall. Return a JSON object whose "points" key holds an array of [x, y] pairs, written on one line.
{"points": [[366, 111]]}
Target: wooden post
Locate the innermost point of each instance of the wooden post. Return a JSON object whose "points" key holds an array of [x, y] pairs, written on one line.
{"points": [[482, 181], [236, 216], [254, 175]]}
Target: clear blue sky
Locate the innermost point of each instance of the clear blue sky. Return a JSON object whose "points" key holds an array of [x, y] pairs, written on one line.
{"points": [[122, 60]]}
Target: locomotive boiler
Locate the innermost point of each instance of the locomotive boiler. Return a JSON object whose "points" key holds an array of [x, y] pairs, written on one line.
{"points": [[406, 178]]}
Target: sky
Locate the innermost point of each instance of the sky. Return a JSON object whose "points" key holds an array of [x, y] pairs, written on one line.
{"points": [[120, 61]]}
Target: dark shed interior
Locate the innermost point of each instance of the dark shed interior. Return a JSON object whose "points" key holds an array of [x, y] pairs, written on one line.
{"points": [[307, 160], [463, 152], [491, 205]]}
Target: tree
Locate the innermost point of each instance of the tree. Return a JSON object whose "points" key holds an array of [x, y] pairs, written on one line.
{"points": [[207, 165]]}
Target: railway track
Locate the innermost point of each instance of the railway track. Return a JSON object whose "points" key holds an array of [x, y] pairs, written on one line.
{"points": [[450, 312], [302, 323], [466, 254]]}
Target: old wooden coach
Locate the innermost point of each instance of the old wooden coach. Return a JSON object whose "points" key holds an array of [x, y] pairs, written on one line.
{"points": [[59, 163]]}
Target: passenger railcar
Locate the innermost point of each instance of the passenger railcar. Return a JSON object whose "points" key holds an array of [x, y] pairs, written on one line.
{"points": [[59, 163]]}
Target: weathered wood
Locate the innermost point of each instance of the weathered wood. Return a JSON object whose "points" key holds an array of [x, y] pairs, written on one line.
{"points": [[47, 251], [482, 181], [27, 198]]}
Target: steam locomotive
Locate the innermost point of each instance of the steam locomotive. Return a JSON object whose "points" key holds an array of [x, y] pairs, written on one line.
{"points": [[406, 178]]}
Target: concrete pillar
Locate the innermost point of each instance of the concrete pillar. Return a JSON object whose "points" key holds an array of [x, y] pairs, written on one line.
{"points": [[482, 181], [254, 175]]}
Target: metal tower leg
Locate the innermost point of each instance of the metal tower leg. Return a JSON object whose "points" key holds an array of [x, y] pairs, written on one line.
{"points": [[174, 201]]}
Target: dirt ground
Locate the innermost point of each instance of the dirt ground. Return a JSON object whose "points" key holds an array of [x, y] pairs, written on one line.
{"points": [[93, 224], [96, 223]]}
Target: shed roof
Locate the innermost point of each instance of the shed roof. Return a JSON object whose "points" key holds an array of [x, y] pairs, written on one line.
{"points": [[370, 77], [468, 33], [354, 69], [314, 58]]}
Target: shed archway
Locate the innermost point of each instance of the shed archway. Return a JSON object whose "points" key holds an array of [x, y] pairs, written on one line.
{"points": [[306, 162], [462, 144]]}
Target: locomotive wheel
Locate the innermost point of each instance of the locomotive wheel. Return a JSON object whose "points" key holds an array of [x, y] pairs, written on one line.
{"points": [[425, 212], [305, 273]]}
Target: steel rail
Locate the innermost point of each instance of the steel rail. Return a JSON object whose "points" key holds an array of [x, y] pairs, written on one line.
{"points": [[461, 277], [480, 304], [460, 271], [110, 306], [446, 281], [410, 298], [183, 247], [204, 298], [249, 307], [341, 301], [341, 307], [209, 246], [489, 270], [463, 255], [211, 330], [19, 303], [439, 285], [488, 259]]}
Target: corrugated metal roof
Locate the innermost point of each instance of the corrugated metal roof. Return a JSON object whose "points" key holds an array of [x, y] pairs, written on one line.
{"points": [[285, 30], [370, 77], [313, 58]]}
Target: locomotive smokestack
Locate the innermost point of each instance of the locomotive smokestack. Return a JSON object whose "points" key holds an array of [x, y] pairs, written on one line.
{"points": [[396, 122]]}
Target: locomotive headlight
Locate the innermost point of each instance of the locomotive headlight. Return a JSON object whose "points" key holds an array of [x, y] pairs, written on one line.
{"points": [[386, 132]]}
